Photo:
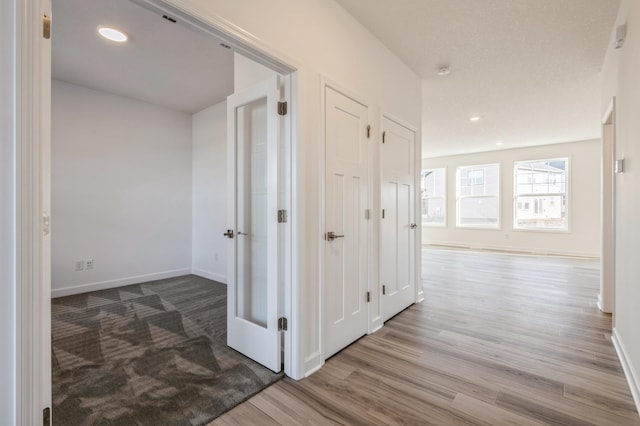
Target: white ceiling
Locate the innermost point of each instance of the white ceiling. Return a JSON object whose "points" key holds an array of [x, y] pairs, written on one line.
{"points": [[164, 63], [529, 68]]}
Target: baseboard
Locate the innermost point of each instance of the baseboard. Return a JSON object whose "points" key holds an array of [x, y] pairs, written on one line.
{"points": [[516, 250], [209, 275], [103, 285], [629, 370]]}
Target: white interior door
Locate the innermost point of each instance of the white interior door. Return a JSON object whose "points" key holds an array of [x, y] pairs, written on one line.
{"points": [[253, 291], [346, 228], [398, 226]]}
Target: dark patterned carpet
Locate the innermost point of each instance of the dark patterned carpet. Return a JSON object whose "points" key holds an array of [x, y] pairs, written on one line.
{"points": [[148, 354]]}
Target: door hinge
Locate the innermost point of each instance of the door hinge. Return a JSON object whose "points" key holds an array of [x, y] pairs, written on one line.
{"points": [[46, 416], [384, 135], [384, 289], [283, 216], [368, 296], [282, 324], [46, 26], [368, 131], [46, 224], [367, 214], [383, 213], [282, 108]]}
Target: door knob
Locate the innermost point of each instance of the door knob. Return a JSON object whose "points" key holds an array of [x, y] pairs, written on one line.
{"points": [[229, 233], [332, 236], [413, 226]]}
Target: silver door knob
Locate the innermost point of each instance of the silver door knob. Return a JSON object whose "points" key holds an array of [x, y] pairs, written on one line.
{"points": [[413, 226], [229, 233], [332, 236]]}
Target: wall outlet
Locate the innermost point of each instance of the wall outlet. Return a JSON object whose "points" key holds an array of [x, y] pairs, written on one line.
{"points": [[88, 264], [79, 265]]}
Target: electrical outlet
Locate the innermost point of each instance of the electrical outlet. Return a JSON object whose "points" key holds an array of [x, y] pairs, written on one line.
{"points": [[79, 264], [88, 264]]}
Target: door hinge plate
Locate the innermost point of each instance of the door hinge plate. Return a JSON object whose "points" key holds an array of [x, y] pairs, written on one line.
{"points": [[383, 213], [384, 136], [367, 214], [283, 216], [46, 416], [368, 131], [384, 289], [282, 324], [46, 26], [368, 296], [282, 108]]}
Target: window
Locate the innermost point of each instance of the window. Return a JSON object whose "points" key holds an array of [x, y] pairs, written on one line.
{"points": [[541, 194], [478, 196], [433, 197]]}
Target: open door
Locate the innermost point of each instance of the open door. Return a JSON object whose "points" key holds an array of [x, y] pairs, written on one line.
{"points": [[252, 288]]}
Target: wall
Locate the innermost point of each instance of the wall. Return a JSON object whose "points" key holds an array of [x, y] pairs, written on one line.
{"points": [[209, 189], [620, 78], [7, 217], [583, 237], [323, 41], [121, 184]]}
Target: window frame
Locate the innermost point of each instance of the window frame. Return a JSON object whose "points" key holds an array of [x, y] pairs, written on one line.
{"points": [[444, 199], [498, 197], [567, 228]]}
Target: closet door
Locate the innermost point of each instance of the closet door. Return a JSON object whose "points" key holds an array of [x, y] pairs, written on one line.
{"points": [[398, 226], [346, 260]]}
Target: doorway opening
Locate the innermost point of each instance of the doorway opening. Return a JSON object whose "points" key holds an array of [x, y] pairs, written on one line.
{"points": [[141, 199]]}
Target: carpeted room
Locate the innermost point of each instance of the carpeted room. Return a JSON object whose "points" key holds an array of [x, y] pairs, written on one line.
{"points": [[139, 193]]}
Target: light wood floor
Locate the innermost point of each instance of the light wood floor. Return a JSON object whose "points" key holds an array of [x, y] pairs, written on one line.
{"points": [[500, 339]]}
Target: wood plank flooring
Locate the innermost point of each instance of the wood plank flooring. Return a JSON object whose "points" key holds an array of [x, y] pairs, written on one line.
{"points": [[500, 340]]}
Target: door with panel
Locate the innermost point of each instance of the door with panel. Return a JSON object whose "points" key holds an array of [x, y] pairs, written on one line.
{"points": [[346, 259], [253, 292], [398, 228]]}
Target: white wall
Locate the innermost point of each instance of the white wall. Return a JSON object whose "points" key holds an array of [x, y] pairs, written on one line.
{"points": [[583, 237], [209, 189], [121, 185], [7, 217], [324, 41], [620, 78]]}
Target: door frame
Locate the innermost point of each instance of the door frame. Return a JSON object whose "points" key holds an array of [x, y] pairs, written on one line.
{"points": [[606, 297], [31, 144]]}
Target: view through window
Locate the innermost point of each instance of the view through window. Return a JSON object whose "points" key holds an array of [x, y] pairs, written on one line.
{"points": [[540, 199], [433, 197], [478, 196]]}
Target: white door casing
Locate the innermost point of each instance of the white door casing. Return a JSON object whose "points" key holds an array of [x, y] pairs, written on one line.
{"points": [[346, 259], [398, 226], [253, 299]]}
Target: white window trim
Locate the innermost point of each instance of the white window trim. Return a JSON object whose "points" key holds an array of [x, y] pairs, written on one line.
{"points": [[444, 197], [498, 225], [567, 194]]}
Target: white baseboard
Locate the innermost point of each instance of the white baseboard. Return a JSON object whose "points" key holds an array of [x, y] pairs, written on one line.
{"points": [[103, 285], [518, 250], [209, 275], [629, 370]]}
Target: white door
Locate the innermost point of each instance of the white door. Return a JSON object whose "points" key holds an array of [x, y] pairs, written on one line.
{"points": [[398, 227], [346, 227], [252, 288]]}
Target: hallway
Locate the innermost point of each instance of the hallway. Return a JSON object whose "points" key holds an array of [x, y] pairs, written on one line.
{"points": [[499, 339]]}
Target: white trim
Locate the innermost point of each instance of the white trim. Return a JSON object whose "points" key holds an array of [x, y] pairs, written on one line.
{"points": [[315, 365], [210, 275], [516, 250], [120, 282], [630, 373]]}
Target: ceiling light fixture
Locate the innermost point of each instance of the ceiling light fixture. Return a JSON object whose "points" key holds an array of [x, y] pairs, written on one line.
{"points": [[444, 70], [112, 34], [474, 118], [499, 143]]}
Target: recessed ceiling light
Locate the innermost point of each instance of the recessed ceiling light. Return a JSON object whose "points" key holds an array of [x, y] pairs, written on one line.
{"points": [[474, 118], [499, 143], [112, 34]]}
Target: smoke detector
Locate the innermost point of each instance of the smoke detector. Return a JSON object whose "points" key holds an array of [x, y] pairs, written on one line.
{"points": [[444, 70]]}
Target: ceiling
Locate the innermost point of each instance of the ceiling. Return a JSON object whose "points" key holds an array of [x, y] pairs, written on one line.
{"points": [[529, 68], [163, 63]]}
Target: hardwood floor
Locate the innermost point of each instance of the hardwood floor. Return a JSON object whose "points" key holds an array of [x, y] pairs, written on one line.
{"points": [[500, 339]]}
